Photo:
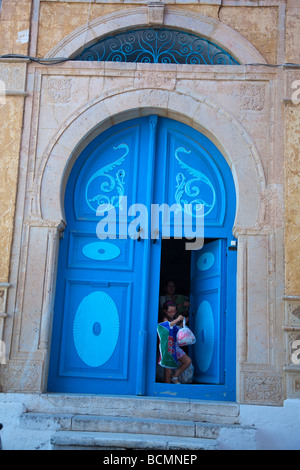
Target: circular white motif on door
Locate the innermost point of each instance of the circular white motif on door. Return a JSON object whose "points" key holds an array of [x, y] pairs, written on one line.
{"points": [[205, 261], [96, 329]]}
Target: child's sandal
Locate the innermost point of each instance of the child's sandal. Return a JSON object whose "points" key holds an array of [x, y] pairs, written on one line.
{"points": [[175, 380]]}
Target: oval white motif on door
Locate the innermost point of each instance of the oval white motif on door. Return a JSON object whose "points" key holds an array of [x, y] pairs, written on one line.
{"points": [[205, 332], [101, 251]]}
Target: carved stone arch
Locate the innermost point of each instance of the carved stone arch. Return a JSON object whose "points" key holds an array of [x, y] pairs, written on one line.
{"points": [[215, 31], [182, 105]]}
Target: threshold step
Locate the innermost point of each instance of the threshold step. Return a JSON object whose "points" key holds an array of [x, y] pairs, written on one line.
{"points": [[140, 407], [119, 424], [78, 440], [135, 425]]}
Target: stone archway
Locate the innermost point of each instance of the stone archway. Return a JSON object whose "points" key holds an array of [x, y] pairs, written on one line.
{"points": [[202, 114], [224, 131], [159, 15]]}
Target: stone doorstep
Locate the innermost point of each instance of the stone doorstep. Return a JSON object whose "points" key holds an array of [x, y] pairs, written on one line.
{"points": [[71, 440], [140, 407], [114, 424], [79, 431]]}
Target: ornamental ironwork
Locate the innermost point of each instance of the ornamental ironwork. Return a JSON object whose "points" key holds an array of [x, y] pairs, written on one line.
{"points": [[157, 46]]}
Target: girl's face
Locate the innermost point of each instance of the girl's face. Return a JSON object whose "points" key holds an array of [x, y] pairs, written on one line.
{"points": [[171, 312]]}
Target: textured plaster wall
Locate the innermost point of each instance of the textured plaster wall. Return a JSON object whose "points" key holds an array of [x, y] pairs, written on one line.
{"points": [[14, 21], [292, 157], [58, 19], [257, 25], [292, 197], [11, 124], [293, 31], [14, 30]]}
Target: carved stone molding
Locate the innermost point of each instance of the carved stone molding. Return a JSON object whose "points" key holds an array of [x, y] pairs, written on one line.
{"points": [[251, 96], [23, 376], [59, 90], [155, 80], [292, 336], [261, 388], [13, 74]]}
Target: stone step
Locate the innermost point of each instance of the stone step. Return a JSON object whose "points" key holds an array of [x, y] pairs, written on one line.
{"points": [[150, 426], [134, 425], [140, 407], [83, 440], [116, 424]]}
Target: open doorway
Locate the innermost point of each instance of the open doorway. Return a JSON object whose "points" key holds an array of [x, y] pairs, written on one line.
{"points": [[175, 272], [199, 278], [175, 266]]}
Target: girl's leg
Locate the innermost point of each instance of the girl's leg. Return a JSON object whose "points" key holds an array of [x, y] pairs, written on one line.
{"points": [[185, 363], [168, 376]]}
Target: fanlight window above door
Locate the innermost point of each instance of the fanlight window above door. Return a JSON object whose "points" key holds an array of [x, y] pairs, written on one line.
{"points": [[163, 46]]}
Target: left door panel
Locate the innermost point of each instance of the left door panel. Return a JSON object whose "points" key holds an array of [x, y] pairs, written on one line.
{"points": [[95, 326]]}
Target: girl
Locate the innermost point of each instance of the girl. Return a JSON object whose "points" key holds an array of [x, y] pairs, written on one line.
{"points": [[170, 352]]}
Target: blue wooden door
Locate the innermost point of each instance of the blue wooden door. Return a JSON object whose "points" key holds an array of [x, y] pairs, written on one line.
{"points": [[106, 307], [190, 170], [207, 318], [99, 297]]}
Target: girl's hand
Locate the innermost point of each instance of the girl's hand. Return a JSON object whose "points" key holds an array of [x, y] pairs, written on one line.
{"points": [[180, 318], [177, 320]]}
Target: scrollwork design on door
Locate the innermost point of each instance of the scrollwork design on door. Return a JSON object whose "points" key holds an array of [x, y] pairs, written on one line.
{"points": [[111, 186], [188, 190]]}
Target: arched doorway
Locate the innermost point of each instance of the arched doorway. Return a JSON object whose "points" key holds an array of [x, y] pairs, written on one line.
{"points": [[106, 309]]}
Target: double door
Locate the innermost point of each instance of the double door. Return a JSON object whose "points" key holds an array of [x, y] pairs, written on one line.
{"points": [[106, 308]]}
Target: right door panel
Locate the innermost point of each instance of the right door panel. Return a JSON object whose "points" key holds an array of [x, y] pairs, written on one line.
{"points": [[208, 312]]}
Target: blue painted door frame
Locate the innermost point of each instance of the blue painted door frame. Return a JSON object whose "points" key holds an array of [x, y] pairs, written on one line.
{"points": [[106, 309]]}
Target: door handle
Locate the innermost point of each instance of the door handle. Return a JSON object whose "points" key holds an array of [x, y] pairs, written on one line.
{"points": [[156, 236], [139, 230]]}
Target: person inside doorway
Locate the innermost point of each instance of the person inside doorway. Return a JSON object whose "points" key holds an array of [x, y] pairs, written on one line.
{"points": [[172, 357], [182, 302]]}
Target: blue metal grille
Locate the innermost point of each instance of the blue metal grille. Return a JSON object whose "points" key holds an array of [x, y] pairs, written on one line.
{"points": [[157, 46]]}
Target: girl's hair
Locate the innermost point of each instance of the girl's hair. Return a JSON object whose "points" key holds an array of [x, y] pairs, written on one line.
{"points": [[168, 304]]}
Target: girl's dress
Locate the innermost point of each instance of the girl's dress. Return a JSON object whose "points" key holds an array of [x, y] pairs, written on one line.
{"points": [[169, 350]]}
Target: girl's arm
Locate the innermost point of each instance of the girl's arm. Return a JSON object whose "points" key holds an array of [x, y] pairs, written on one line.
{"points": [[177, 320]]}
